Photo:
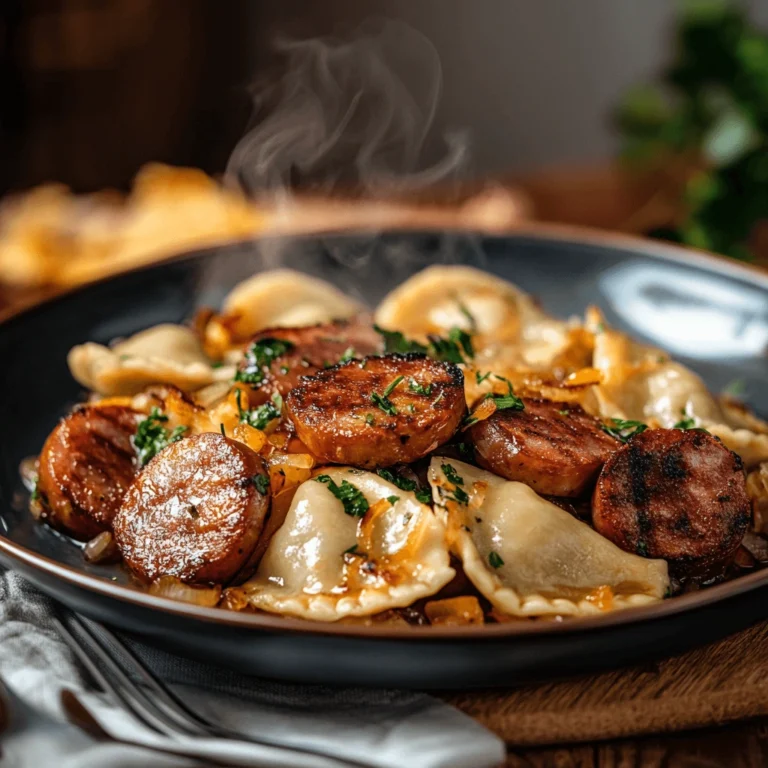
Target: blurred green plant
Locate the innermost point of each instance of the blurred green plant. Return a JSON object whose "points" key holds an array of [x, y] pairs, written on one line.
{"points": [[703, 129]]}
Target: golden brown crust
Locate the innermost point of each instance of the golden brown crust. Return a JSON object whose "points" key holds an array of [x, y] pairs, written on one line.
{"points": [[315, 347], [675, 494], [86, 466], [556, 448], [194, 512], [337, 416]]}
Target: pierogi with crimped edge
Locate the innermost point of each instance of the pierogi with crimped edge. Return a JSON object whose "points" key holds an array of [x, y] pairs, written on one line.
{"points": [[357, 434], [325, 563], [530, 557]]}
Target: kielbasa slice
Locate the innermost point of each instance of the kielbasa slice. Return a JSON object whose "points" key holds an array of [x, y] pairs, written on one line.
{"points": [[679, 495], [378, 412], [556, 448], [277, 358], [85, 468], [195, 511]]}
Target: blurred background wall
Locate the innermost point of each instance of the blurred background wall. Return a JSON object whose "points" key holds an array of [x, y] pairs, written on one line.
{"points": [[92, 89]]}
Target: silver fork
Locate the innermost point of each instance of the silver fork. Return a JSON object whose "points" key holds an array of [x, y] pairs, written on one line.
{"points": [[153, 703]]}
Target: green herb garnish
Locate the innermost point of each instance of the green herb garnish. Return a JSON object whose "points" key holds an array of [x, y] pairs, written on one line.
{"points": [[152, 436], [396, 343], [458, 493], [370, 420], [259, 417], [260, 355], [462, 338], [623, 429], [349, 354], [262, 483], [470, 317], [419, 389], [481, 377], [404, 484], [685, 423], [355, 504], [494, 560], [506, 402], [393, 500], [383, 401]]}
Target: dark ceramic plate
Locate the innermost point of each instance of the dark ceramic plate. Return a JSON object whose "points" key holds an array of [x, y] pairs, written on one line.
{"points": [[709, 313]]}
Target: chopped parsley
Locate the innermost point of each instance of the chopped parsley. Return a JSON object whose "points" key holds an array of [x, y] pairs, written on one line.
{"points": [[464, 340], [393, 500], [470, 317], [481, 377], [623, 429], [262, 483], [355, 504], [259, 417], [685, 423], [510, 401], [152, 436], [458, 494], [494, 560], [396, 343], [353, 551], [370, 420], [349, 354], [448, 350], [217, 364], [451, 474], [564, 412], [404, 484], [260, 355], [383, 401], [35, 494], [419, 389], [223, 431], [423, 495]]}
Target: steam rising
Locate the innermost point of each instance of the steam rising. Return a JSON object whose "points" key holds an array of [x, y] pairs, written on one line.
{"points": [[349, 116]]}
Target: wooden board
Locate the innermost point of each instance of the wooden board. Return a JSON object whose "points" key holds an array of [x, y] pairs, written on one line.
{"points": [[717, 684]]}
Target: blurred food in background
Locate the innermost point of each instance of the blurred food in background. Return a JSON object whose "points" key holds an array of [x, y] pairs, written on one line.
{"points": [[343, 137]]}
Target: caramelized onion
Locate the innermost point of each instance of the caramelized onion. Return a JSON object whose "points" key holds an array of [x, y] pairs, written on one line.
{"points": [[454, 611], [175, 589], [101, 549]]}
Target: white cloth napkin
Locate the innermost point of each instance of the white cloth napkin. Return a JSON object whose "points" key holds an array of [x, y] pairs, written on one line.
{"points": [[367, 727]]}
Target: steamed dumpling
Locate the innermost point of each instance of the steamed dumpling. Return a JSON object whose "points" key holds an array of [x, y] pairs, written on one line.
{"points": [[443, 297], [325, 564], [284, 298], [531, 558], [164, 354]]}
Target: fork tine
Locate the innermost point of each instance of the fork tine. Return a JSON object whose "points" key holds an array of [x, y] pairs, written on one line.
{"points": [[171, 704], [125, 693]]}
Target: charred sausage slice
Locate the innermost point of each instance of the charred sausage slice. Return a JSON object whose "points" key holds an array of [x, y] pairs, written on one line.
{"points": [[195, 511], [85, 467], [556, 448], [277, 358], [675, 494], [378, 412]]}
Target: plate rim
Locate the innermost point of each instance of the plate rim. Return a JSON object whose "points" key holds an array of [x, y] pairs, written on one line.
{"points": [[562, 233]]}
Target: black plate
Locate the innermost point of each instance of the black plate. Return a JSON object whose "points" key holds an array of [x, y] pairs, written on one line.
{"points": [[709, 313]]}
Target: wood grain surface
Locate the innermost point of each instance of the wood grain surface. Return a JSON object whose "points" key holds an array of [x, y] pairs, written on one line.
{"points": [[709, 688]]}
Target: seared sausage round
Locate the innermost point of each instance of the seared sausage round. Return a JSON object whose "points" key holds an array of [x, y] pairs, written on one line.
{"points": [[271, 367], [86, 465], [195, 511], [378, 412], [675, 494], [556, 448]]}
